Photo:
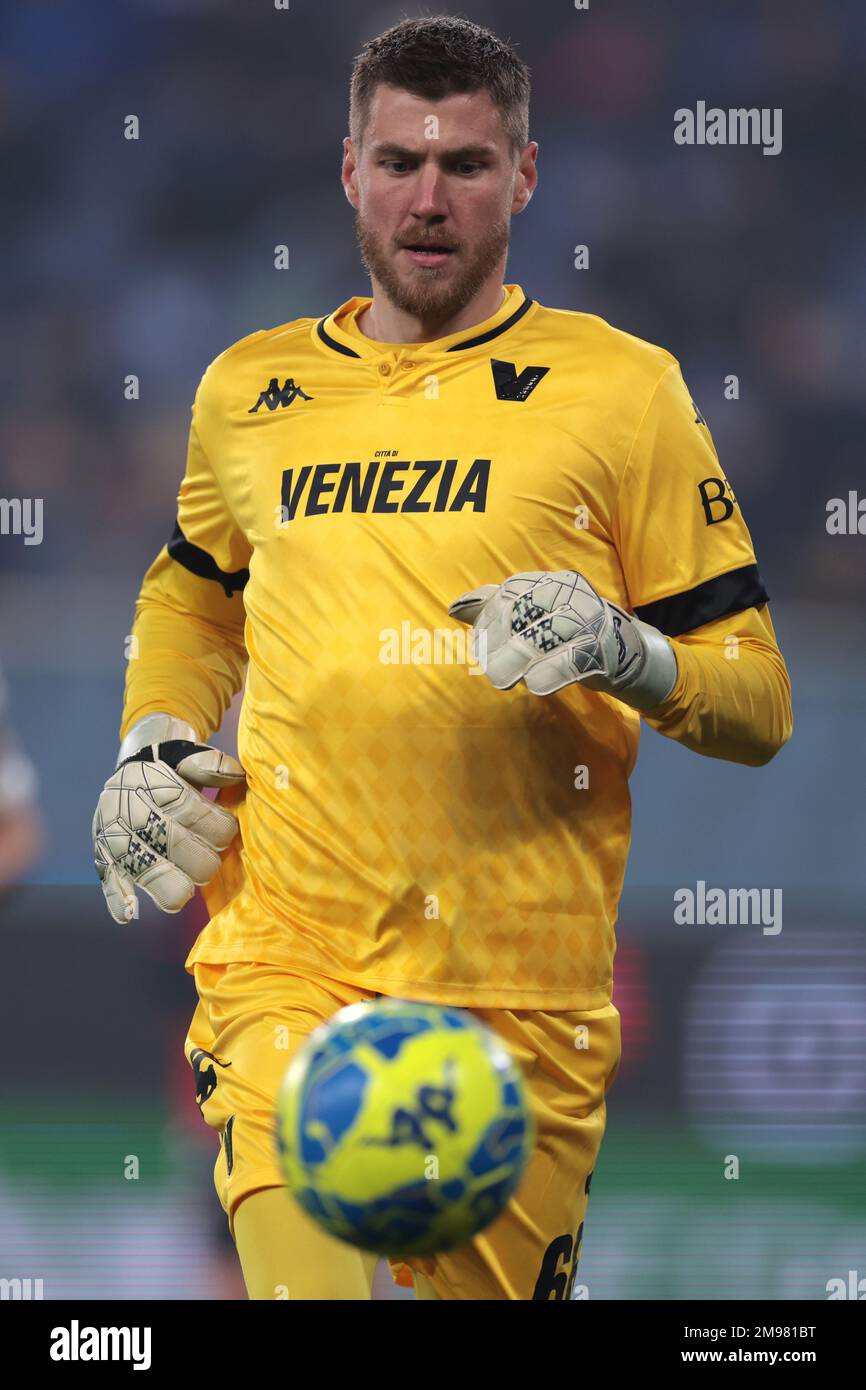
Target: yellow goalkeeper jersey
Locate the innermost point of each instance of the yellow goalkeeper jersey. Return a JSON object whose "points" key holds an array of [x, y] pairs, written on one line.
{"points": [[405, 826]]}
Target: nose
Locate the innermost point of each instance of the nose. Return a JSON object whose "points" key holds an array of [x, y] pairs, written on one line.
{"points": [[428, 193]]}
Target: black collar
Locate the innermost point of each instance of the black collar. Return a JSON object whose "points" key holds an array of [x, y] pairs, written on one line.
{"points": [[455, 347]]}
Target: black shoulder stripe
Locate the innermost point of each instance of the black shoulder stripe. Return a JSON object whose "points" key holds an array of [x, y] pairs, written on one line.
{"points": [[197, 561], [716, 598]]}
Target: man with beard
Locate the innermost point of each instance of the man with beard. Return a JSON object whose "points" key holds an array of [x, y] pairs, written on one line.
{"points": [[443, 451]]}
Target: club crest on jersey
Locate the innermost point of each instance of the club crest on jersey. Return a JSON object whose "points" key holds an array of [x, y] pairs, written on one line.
{"points": [[511, 387], [428, 485], [275, 395]]}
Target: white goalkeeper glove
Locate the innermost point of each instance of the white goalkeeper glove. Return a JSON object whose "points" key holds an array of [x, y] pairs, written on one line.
{"points": [[152, 828], [553, 629]]}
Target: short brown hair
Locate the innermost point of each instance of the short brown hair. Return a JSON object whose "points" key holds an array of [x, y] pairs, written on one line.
{"points": [[436, 57]]}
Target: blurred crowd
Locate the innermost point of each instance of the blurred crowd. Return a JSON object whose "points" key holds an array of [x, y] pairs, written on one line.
{"points": [[150, 256]]}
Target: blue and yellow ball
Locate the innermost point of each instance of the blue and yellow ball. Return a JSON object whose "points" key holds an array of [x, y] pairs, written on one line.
{"points": [[403, 1128]]}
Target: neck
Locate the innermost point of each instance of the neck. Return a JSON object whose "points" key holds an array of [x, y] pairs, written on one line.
{"points": [[385, 323]]}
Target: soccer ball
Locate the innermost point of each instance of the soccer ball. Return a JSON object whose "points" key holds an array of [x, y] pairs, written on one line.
{"points": [[403, 1128]]}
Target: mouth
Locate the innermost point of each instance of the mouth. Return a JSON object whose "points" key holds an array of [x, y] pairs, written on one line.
{"points": [[427, 254]]}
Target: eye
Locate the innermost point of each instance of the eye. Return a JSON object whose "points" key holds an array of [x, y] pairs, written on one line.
{"points": [[468, 168], [395, 166]]}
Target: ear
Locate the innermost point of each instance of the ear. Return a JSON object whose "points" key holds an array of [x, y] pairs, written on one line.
{"points": [[349, 173], [526, 177]]}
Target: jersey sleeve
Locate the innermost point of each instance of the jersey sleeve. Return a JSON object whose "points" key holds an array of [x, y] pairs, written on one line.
{"points": [[187, 654], [732, 696], [684, 547], [691, 572]]}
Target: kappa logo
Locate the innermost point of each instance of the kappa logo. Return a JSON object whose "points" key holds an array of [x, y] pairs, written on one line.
{"points": [[511, 387], [205, 1077], [276, 396]]}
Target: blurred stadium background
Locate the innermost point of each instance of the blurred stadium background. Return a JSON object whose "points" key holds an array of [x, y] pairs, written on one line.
{"points": [[152, 256]]}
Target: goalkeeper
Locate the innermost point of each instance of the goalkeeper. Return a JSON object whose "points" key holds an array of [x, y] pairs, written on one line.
{"points": [[392, 826]]}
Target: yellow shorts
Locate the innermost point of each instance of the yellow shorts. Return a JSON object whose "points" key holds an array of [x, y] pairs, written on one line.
{"points": [[236, 1045]]}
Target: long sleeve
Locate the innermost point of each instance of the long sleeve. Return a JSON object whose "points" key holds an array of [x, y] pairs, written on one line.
{"points": [[732, 697], [187, 655], [691, 572]]}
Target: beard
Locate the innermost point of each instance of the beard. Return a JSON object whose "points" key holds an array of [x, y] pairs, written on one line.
{"points": [[434, 294]]}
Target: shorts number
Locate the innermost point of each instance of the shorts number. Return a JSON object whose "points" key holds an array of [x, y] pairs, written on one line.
{"points": [[555, 1282]]}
